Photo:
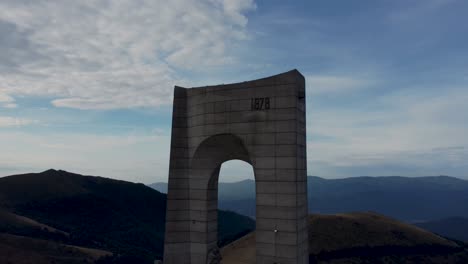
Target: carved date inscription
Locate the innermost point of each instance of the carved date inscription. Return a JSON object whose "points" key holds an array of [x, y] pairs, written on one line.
{"points": [[262, 103]]}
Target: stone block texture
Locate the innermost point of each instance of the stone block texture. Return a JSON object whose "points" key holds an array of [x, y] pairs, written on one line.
{"points": [[261, 122]]}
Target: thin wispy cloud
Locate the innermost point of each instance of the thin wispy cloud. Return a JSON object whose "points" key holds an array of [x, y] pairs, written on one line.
{"points": [[336, 85], [8, 121], [7, 101], [424, 131]]}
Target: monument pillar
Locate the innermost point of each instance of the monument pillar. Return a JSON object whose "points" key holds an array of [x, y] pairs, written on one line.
{"points": [[261, 122]]}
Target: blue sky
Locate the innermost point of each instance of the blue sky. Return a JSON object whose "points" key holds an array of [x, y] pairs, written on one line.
{"points": [[86, 86]]}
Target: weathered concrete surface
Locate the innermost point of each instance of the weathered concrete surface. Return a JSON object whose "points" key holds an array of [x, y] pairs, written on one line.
{"points": [[261, 122]]}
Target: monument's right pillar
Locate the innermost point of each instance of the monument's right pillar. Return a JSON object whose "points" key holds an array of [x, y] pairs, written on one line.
{"points": [[281, 179]]}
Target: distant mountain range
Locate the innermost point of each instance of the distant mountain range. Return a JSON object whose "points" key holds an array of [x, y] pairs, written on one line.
{"points": [[418, 199], [226, 190], [58, 211], [405, 198]]}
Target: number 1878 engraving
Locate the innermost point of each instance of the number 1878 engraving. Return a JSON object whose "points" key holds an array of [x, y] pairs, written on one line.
{"points": [[260, 103]]}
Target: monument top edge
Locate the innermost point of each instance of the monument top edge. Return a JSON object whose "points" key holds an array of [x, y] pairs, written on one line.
{"points": [[288, 77]]}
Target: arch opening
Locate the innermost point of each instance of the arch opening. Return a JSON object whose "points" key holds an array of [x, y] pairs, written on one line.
{"points": [[236, 199], [206, 163]]}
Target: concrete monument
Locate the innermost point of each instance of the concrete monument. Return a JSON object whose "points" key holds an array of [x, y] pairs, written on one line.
{"points": [[261, 122]]}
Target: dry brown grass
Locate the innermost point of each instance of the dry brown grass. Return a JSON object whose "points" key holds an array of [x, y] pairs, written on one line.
{"points": [[328, 233], [241, 251], [18, 221], [365, 229], [25, 250]]}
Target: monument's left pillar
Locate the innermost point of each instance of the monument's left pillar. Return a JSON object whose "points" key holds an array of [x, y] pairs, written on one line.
{"points": [[177, 237]]}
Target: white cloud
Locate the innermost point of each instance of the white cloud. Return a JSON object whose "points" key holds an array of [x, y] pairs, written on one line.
{"points": [[8, 121], [235, 170], [10, 105], [330, 84], [4, 98], [234, 10], [414, 134], [7, 101], [113, 54]]}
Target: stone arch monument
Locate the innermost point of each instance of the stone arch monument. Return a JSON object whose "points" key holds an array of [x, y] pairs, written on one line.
{"points": [[261, 122]]}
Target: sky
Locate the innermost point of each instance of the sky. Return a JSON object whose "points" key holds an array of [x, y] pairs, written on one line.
{"points": [[86, 86]]}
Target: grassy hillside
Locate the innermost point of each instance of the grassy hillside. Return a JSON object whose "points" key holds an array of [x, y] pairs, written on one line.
{"points": [[362, 238], [366, 229], [26, 250], [122, 217], [97, 212], [19, 225]]}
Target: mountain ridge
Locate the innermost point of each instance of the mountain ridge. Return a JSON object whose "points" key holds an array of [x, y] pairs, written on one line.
{"points": [[410, 199]]}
